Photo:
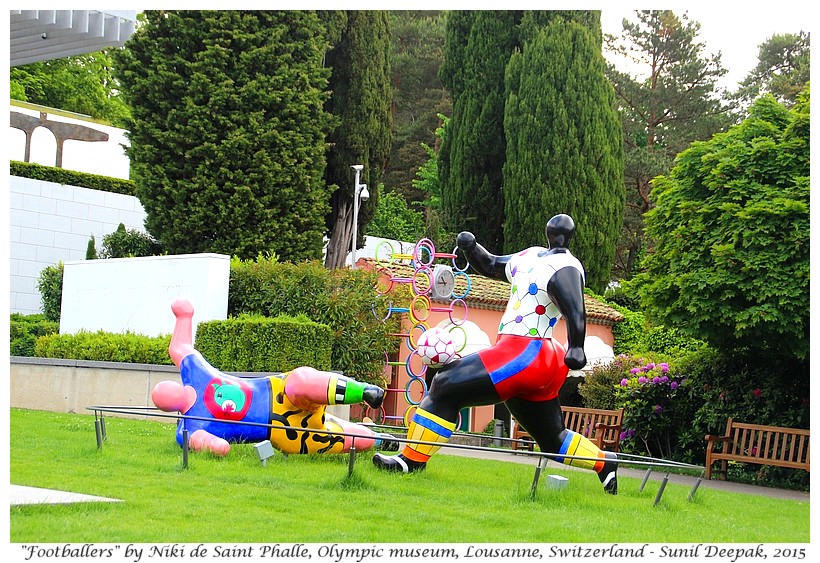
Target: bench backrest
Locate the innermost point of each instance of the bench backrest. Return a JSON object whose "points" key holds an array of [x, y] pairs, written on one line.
{"points": [[789, 445], [583, 421]]}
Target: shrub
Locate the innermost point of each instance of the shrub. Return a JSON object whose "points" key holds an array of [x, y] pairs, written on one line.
{"points": [[24, 331], [598, 387], [260, 344], [50, 285], [128, 243], [105, 347], [343, 299], [652, 411]]}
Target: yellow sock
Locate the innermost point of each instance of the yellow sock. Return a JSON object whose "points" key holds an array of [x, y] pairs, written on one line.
{"points": [[577, 445], [426, 427]]}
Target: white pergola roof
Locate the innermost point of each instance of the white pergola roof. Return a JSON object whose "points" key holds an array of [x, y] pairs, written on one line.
{"points": [[41, 35]]}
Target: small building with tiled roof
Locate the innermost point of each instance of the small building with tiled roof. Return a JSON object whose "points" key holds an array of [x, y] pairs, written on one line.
{"points": [[477, 299]]}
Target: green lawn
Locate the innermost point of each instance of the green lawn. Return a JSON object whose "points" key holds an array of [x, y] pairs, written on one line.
{"points": [[311, 499]]}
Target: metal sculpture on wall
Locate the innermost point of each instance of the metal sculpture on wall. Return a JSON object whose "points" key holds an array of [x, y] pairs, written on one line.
{"points": [[62, 132], [221, 409]]}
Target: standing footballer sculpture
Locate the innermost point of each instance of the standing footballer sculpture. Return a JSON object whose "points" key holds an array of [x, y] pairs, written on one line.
{"points": [[526, 367]]}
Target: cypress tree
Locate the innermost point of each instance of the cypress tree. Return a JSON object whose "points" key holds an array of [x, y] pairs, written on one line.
{"points": [[360, 99], [564, 146], [227, 137]]}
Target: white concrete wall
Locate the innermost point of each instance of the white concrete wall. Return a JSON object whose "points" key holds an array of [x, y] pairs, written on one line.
{"points": [[50, 223], [135, 294]]}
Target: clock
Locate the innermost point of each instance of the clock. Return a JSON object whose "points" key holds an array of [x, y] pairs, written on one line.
{"points": [[443, 282]]}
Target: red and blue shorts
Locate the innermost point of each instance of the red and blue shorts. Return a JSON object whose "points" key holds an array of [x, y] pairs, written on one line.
{"points": [[532, 369]]}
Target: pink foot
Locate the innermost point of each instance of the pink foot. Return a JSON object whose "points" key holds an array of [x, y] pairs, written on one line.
{"points": [[170, 396]]}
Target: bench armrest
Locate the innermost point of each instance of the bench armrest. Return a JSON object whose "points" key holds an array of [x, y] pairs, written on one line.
{"points": [[712, 438], [602, 426]]}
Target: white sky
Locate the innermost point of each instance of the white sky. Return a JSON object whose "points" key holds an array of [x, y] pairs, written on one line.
{"points": [[733, 28]]}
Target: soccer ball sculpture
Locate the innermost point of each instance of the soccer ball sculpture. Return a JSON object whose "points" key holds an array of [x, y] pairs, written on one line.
{"points": [[436, 347]]}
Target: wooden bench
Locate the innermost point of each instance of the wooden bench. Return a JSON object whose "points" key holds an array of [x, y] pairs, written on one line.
{"points": [[754, 443], [601, 426]]}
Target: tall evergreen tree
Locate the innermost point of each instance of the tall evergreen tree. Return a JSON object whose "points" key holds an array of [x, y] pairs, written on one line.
{"points": [[472, 192], [671, 100], [360, 99], [228, 131], [564, 146], [416, 54], [783, 69]]}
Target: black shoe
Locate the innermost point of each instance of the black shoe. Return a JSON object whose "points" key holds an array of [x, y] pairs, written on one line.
{"points": [[397, 463], [385, 443], [609, 474], [373, 396]]}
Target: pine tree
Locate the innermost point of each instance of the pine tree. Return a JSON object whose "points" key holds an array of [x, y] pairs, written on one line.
{"points": [[564, 146], [360, 100], [228, 129]]}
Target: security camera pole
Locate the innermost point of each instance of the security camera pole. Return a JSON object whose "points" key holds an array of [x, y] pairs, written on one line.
{"points": [[359, 191]]}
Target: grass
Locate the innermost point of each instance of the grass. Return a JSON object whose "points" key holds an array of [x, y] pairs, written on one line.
{"points": [[311, 499]]}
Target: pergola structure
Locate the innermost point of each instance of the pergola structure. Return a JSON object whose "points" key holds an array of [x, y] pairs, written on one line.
{"points": [[42, 35]]}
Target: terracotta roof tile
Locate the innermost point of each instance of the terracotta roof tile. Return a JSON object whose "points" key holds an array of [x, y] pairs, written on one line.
{"points": [[490, 293]]}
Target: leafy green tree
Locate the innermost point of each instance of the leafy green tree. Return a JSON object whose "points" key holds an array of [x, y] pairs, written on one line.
{"points": [[783, 69], [82, 84], [360, 99], [228, 132], [395, 220], [731, 235], [668, 99], [564, 146]]}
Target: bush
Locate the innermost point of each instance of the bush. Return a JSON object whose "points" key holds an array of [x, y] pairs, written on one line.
{"points": [[343, 299], [71, 177], [105, 347], [50, 285], [260, 344], [128, 243], [24, 331]]}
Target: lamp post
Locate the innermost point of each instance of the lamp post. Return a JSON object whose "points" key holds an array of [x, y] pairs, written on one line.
{"points": [[359, 191]]}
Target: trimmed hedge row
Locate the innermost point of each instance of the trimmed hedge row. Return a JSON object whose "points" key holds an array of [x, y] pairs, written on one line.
{"points": [[71, 178], [262, 344]]}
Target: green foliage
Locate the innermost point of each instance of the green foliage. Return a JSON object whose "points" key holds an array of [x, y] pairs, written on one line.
{"points": [[558, 94], [652, 412], [81, 84], [71, 178], [104, 346], [395, 220], [419, 97], [472, 154], [91, 249], [731, 236], [663, 108], [24, 331], [128, 243], [50, 285], [343, 299], [259, 344], [783, 69], [228, 130], [361, 103]]}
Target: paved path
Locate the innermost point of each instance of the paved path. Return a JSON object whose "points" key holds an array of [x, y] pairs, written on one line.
{"points": [[19, 494]]}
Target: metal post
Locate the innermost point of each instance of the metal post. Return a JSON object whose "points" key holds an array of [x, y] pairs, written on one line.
{"points": [[358, 168], [645, 479], [660, 491], [184, 448], [352, 460], [542, 461], [694, 489], [98, 431]]}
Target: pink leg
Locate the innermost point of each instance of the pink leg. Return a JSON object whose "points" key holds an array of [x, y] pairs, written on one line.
{"points": [[365, 438], [202, 440], [182, 341], [306, 387]]}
